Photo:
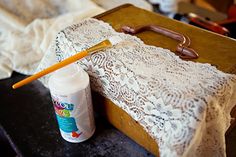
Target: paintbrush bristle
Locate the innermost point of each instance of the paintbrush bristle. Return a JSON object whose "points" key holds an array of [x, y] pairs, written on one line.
{"points": [[115, 40]]}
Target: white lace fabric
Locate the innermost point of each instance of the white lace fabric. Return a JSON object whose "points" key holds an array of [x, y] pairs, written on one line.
{"points": [[184, 106]]}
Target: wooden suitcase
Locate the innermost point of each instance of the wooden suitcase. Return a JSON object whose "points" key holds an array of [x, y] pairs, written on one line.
{"points": [[212, 48]]}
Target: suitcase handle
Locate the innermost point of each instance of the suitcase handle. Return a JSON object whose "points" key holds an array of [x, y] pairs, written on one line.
{"points": [[182, 48]]}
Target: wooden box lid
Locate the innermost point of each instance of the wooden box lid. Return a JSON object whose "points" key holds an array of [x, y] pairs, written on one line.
{"points": [[212, 48]]}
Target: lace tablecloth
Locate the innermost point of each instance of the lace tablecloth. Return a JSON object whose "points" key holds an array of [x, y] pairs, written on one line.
{"points": [[184, 106]]}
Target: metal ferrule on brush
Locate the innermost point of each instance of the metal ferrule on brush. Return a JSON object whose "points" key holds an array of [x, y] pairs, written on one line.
{"points": [[99, 46], [104, 44]]}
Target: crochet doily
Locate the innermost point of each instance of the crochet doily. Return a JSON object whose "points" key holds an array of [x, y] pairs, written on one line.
{"points": [[184, 106]]}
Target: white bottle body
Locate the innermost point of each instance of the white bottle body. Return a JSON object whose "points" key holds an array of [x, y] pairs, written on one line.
{"points": [[71, 96]]}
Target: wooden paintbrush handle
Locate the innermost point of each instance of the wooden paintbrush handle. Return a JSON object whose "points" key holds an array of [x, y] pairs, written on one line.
{"points": [[51, 69]]}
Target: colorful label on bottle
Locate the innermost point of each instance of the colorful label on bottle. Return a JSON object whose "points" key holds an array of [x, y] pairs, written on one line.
{"points": [[67, 124], [63, 114], [74, 115]]}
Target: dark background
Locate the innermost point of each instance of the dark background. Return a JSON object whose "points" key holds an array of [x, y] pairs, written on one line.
{"points": [[29, 128]]}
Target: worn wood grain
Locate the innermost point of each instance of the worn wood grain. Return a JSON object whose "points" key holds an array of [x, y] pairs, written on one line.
{"points": [[212, 48]]}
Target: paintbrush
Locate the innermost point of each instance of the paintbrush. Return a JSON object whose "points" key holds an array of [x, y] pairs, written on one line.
{"points": [[102, 45]]}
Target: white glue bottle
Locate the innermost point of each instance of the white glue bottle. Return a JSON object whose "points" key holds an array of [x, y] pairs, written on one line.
{"points": [[71, 96]]}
